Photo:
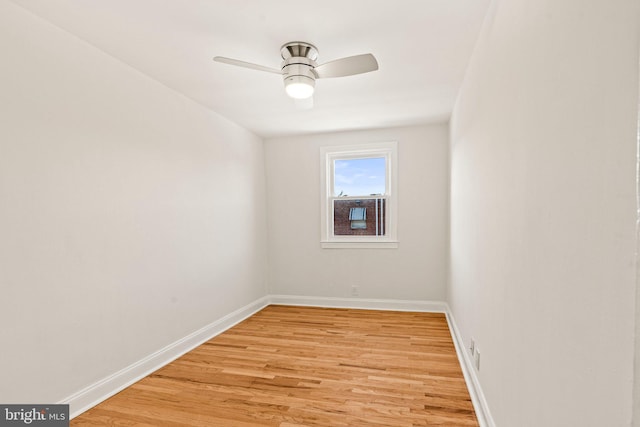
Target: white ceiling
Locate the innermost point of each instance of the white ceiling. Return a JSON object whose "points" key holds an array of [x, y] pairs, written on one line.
{"points": [[422, 47]]}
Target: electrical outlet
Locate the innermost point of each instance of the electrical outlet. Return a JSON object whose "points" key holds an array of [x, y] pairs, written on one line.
{"points": [[477, 359], [354, 290], [472, 347]]}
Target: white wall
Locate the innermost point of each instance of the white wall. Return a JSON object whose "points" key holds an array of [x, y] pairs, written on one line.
{"points": [[129, 215], [416, 270], [636, 378], [543, 158]]}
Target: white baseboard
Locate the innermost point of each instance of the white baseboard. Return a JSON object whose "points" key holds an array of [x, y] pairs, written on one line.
{"points": [[470, 375], [95, 393], [366, 304]]}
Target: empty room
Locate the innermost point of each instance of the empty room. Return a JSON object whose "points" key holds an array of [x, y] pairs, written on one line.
{"points": [[337, 213]]}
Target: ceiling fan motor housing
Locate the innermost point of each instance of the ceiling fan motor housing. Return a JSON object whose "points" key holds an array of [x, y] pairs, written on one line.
{"points": [[298, 68]]}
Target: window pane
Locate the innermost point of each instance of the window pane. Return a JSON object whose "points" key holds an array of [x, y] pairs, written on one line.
{"points": [[363, 217], [359, 177]]}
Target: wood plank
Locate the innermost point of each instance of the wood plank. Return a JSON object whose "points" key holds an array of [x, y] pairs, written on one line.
{"points": [[302, 366]]}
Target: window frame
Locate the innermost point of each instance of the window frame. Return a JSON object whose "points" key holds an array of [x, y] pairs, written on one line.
{"points": [[328, 156]]}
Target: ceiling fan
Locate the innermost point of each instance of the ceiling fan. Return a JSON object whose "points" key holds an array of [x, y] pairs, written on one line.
{"points": [[300, 70]]}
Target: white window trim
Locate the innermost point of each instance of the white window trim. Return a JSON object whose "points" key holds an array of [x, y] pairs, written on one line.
{"points": [[328, 154]]}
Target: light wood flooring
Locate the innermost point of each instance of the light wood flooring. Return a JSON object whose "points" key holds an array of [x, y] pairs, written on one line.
{"points": [[300, 366]]}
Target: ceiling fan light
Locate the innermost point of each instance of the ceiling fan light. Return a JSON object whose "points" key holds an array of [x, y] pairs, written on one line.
{"points": [[299, 87]]}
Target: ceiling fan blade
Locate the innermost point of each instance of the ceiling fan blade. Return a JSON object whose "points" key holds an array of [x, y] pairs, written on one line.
{"points": [[246, 64], [348, 66]]}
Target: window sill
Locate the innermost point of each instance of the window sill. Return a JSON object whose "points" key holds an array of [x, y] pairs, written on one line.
{"points": [[359, 245]]}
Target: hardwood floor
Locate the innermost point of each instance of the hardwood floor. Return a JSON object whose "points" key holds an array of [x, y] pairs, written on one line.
{"points": [[299, 366]]}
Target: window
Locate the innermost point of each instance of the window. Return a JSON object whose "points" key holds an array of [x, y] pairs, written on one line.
{"points": [[359, 206], [358, 218]]}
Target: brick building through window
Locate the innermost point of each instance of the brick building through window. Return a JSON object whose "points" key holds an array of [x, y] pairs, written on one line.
{"points": [[360, 217]]}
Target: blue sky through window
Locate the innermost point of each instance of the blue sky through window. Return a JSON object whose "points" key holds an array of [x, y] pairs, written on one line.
{"points": [[359, 177]]}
